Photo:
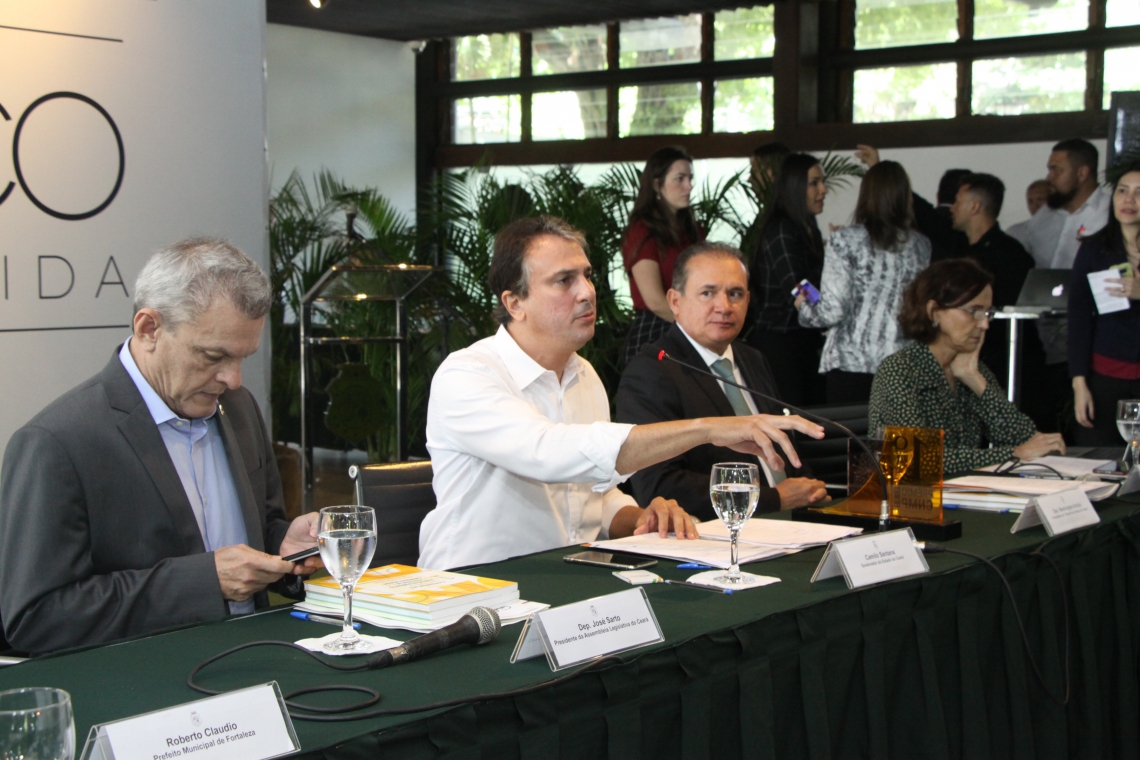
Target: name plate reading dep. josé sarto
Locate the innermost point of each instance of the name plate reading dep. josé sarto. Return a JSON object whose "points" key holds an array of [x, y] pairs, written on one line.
{"points": [[247, 724], [873, 558], [1058, 512], [586, 630]]}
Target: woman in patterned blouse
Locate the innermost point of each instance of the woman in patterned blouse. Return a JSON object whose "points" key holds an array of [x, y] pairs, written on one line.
{"points": [[939, 383], [661, 225], [865, 268], [790, 250]]}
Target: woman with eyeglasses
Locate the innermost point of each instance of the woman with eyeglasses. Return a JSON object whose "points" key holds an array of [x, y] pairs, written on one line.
{"points": [[939, 383], [1104, 349]]}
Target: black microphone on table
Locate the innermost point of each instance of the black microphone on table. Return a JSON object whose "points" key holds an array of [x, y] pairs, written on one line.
{"points": [[479, 626], [884, 509]]}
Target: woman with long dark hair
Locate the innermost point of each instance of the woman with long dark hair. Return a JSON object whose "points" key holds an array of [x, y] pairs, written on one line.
{"points": [[866, 267], [661, 225], [1104, 349], [790, 250]]}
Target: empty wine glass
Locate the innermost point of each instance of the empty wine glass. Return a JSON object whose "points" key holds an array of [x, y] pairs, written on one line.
{"points": [[735, 489], [347, 537], [1128, 423], [36, 724]]}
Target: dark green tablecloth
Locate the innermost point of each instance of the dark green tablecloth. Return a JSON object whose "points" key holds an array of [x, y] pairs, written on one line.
{"points": [[931, 666]]}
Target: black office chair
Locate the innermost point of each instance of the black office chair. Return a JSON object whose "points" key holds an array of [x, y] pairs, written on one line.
{"points": [[402, 495], [827, 457]]}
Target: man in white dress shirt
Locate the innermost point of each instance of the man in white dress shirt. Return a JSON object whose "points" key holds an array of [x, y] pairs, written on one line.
{"points": [[524, 454], [1076, 206]]}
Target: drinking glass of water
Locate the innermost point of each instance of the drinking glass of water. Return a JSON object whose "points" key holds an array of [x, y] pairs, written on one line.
{"points": [[735, 489], [1128, 423], [36, 724], [347, 537]]}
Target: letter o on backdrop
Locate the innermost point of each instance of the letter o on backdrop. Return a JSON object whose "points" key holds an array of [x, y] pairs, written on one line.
{"points": [[20, 172]]}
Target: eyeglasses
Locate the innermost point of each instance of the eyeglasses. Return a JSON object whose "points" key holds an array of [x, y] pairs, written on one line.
{"points": [[978, 313]]}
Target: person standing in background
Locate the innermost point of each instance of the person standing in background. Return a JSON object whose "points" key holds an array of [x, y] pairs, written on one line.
{"points": [[1036, 196], [865, 269], [661, 225], [790, 250], [1104, 349]]}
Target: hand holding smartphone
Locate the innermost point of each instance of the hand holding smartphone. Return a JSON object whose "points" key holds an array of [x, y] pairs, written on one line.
{"points": [[807, 290]]}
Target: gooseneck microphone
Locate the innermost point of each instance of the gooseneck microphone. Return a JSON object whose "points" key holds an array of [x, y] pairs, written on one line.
{"points": [[884, 508], [479, 626]]}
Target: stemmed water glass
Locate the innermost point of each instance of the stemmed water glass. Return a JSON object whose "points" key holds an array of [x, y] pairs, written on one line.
{"points": [[36, 724], [347, 537], [735, 489], [1128, 423]]}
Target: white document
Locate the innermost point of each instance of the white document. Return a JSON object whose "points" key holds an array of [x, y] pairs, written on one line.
{"points": [[994, 484], [1105, 303], [1069, 467], [701, 550], [586, 630], [1058, 512], [783, 533], [873, 558], [247, 724]]}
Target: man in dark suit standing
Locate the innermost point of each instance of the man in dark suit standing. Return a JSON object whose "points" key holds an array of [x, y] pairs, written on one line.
{"points": [[149, 496], [709, 300]]}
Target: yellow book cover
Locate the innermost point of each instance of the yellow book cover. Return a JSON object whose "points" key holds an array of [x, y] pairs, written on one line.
{"points": [[415, 587]]}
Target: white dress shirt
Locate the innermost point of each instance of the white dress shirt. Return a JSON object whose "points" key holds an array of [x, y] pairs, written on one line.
{"points": [[1053, 235], [522, 462]]}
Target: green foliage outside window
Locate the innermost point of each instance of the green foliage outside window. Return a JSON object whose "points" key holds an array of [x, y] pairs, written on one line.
{"points": [[485, 56], [892, 23]]}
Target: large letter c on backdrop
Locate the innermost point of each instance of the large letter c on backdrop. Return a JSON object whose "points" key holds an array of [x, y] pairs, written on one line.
{"points": [[20, 175]]}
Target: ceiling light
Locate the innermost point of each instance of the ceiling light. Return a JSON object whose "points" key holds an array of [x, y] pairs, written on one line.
{"points": [[318, 3]]}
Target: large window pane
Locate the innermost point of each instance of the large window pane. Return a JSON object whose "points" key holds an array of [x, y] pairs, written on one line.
{"points": [[1123, 13], [493, 119], [568, 115], [659, 109], [658, 41], [906, 93], [485, 56], [568, 48], [1121, 71], [743, 105], [744, 33], [1038, 84], [1014, 18], [891, 23]]}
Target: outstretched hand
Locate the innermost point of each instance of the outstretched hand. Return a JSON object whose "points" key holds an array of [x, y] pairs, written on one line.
{"points": [[756, 434]]}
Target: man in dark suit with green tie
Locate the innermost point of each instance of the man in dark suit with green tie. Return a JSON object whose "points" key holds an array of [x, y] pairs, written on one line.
{"points": [[709, 298]]}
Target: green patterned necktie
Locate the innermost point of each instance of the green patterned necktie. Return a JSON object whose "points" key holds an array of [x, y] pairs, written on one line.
{"points": [[723, 367]]}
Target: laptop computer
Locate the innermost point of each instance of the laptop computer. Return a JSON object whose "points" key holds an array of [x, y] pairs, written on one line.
{"points": [[1045, 290]]}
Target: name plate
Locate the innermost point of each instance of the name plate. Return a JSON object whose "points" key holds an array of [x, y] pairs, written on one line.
{"points": [[1058, 512], [582, 631], [247, 724], [873, 558]]}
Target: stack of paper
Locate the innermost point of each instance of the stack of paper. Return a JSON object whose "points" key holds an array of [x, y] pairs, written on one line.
{"points": [[1068, 467], [784, 534], [700, 550], [412, 598], [998, 494]]}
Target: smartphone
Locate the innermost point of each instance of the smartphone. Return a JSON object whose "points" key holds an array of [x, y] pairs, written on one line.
{"points": [[1115, 467], [808, 290], [303, 555], [610, 559]]}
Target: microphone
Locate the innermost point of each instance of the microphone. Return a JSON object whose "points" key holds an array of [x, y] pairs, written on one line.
{"points": [[884, 508], [479, 626]]}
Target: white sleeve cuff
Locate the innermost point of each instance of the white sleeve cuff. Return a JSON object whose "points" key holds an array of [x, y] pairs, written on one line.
{"points": [[613, 502]]}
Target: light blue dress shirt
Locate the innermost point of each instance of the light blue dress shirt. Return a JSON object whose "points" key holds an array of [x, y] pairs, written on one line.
{"points": [[199, 456]]}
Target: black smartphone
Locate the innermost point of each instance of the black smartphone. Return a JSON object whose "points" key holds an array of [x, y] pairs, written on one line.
{"points": [[303, 555], [611, 559], [1115, 468]]}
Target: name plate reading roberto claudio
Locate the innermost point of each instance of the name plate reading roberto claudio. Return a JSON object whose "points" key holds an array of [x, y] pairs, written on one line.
{"points": [[1059, 512], [873, 558], [587, 630], [247, 724]]}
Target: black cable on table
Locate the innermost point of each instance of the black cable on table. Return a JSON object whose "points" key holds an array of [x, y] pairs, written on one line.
{"points": [[340, 714], [931, 548]]}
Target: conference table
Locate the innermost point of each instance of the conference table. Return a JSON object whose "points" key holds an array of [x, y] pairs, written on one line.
{"points": [[931, 666]]}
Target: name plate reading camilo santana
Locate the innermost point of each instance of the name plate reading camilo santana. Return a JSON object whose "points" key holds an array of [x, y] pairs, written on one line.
{"points": [[247, 724], [1058, 512], [587, 630], [873, 558]]}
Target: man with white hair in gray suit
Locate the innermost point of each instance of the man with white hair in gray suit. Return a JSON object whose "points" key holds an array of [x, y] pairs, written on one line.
{"points": [[149, 496]]}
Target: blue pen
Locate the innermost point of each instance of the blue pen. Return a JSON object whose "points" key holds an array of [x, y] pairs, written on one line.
{"points": [[320, 619], [694, 566]]}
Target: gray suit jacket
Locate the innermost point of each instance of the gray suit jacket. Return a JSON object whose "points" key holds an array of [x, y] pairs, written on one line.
{"points": [[97, 537]]}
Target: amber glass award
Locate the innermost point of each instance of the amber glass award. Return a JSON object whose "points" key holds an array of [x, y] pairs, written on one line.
{"points": [[911, 458]]}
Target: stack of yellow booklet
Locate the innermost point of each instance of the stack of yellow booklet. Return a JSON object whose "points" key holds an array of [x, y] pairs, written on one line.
{"points": [[398, 596]]}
